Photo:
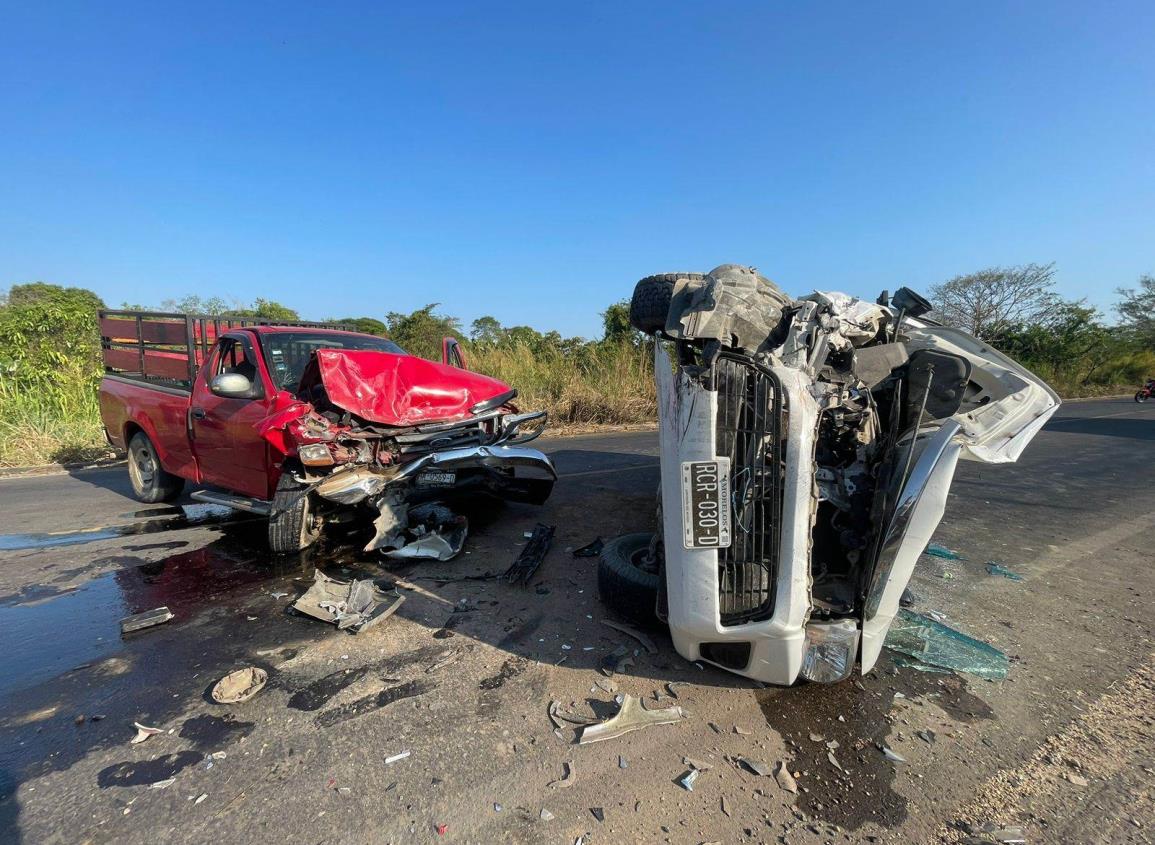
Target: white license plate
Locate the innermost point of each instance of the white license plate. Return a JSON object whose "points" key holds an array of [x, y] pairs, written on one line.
{"points": [[706, 504], [436, 479]]}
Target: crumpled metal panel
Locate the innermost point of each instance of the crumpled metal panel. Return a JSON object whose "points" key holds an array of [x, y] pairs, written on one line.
{"points": [[398, 390], [734, 305]]}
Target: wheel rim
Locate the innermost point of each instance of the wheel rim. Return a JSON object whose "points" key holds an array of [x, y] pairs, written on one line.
{"points": [[143, 464]]}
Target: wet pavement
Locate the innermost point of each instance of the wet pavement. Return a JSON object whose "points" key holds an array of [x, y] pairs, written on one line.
{"points": [[462, 676]]}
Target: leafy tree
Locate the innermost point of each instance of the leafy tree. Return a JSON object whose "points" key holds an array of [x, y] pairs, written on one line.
{"points": [[43, 293], [266, 309], [213, 306], [49, 335], [421, 332], [365, 325], [616, 324], [1137, 308], [993, 301], [486, 331]]}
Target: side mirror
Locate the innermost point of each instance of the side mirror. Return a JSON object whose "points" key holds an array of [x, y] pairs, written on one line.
{"points": [[231, 386], [451, 353]]}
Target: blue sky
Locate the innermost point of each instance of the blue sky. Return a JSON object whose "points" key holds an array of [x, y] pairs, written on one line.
{"points": [[532, 161]]}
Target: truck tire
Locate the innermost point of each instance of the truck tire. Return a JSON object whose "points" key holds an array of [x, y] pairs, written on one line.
{"points": [[150, 482], [625, 587], [651, 300], [294, 525]]}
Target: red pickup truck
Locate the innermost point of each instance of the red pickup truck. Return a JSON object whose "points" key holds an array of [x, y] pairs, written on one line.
{"points": [[307, 423]]}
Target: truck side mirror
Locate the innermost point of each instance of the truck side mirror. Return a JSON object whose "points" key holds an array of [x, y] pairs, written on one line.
{"points": [[451, 353], [231, 386]]}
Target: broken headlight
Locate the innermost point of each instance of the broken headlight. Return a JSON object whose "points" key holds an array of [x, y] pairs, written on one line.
{"points": [[315, 455], [831, 648]]}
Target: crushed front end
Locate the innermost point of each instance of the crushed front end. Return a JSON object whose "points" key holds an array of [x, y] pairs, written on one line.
{"points": [[807, 447], [387, 438]]}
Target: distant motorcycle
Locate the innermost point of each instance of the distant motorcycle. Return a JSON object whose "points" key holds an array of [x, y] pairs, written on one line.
{"points": [[1146, 391]]}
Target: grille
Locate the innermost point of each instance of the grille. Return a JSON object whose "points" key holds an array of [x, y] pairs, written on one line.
{"points": [[751, 417]]}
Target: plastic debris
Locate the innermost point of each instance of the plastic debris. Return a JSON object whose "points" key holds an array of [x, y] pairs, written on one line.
{"points": [[694, 764], [545, 815], [569, 780], [497, 808], [201, 797], [240, 685], [622, 764], [833, 761], [785, 779], [606, 685], [395, 757], [927, 736], [441, 829], [935, 550], [558, 716], [754, 767], [162, 784], [350, 605], [617, 660], [741, 731], [937, 647], [143, 732], [670, 687], [996, 568], [531, 555], [891, 755], [725, 806], [434, 533], [598, 813], [147, 619], [644, 639], [590, 549], [686, 781], [630, 717]]}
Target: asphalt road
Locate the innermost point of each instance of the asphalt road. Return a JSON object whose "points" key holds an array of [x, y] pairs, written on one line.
{"points": [[1064, 747]]}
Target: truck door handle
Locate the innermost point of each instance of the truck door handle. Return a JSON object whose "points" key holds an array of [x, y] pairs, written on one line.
{"points": [[197, 413]]}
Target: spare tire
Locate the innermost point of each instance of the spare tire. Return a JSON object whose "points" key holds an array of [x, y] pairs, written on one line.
{"points": [[650, 303], [623, 584]]}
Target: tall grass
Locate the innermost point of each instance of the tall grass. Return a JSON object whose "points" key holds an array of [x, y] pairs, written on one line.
{"points": [[54, 422]]}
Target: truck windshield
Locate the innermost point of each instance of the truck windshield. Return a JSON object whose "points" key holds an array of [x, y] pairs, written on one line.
{"points": [[287, 353]]}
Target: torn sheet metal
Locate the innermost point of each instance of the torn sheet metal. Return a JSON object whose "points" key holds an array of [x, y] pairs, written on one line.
{"points": [[348, 487], [350, 605], [390, 524], [435, 533], [531, 555], [630, 717], [733, 304]]}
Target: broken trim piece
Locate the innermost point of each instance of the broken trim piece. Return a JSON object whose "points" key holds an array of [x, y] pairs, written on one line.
{"points": [[631, 716]]}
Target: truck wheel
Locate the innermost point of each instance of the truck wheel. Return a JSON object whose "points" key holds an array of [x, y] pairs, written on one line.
{"points": [[628, 578], [293, 523], [150, 483], [651, 300]]}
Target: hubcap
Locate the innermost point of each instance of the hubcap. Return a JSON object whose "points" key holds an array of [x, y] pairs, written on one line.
{"points": [[145, 468]]}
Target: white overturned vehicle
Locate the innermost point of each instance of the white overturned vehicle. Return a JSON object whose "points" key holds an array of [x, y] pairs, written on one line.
{"points": [[807, 448]]}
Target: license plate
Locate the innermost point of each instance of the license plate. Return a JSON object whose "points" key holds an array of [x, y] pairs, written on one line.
{"points": [[706, 504], [436, 479]]}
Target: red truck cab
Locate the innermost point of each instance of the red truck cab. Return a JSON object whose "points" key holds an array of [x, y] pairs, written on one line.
{"points": [[236, 405]]}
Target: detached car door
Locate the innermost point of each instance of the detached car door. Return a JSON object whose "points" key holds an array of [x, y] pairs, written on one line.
{"points": [[229, 449]]}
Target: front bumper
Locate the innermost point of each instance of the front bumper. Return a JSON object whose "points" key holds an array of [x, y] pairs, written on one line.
{"points": [[772, 646]]}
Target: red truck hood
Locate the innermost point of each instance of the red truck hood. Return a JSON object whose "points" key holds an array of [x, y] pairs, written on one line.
{"points": [[398, 390]]}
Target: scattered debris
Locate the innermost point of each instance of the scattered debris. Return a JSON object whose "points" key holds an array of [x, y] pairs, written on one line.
{"points": [[354, 605], [434, 533], [606, 685], [1077, 780], [817, 737], [569, 780], [694, 764], [686, 781], [644, 639], [833, 761], [939, 647], [891, 755], [670, 687], [598, 813], [446, 657], [143, 732], [754, 767], [145, 620], [908, 598], [630, 717], [927, 736], [239, 686], [497, 808], [162, 784], [201, 797], [531, 555], [557, 715], [935, 550], [617, 660], [590, 549], [996, 568], [396, 757], [741, 731], [833, 745], [785, 779], [725, 806], [441, 829], [545, 815], [622, 764]]}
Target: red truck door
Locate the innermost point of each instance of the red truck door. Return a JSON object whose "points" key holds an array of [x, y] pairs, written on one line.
{"points": [[229, 450]]}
